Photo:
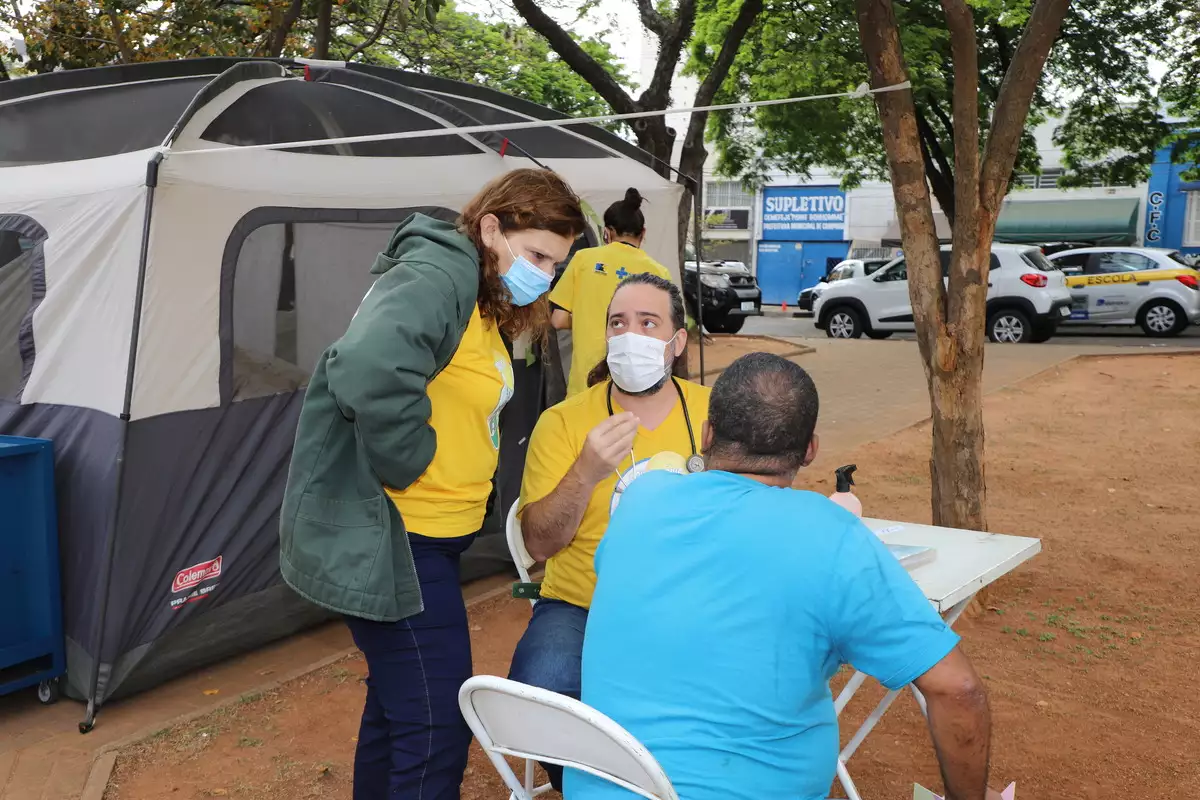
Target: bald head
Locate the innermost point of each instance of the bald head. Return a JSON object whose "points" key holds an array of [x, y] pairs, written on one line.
{"points": [[761, 417]]}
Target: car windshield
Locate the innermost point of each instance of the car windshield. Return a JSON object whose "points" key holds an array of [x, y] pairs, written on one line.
{"points": [[1034, 258], [1180, 258], [842, 272]]}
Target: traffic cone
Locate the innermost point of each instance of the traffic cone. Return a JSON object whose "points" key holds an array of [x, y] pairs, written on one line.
{"points": [[785, 306]]}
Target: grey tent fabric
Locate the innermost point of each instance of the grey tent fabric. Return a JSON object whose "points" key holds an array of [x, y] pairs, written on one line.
{"points": [[161, 312]]}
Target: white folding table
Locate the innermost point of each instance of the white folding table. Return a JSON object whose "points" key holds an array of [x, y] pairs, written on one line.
{"points": [[965, 562]]}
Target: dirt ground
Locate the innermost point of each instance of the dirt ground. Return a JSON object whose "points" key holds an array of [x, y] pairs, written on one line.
{"points": [[721, 350], [1089, 652]]}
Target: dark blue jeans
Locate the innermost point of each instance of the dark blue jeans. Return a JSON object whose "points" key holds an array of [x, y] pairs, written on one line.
{"points": [[549, 655], [413, 741]]}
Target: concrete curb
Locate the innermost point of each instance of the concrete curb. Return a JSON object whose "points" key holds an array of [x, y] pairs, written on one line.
{"points": [[106, 757]]}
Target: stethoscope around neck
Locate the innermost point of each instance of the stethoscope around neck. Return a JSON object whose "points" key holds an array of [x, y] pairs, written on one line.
{"points": [[695, 462]]}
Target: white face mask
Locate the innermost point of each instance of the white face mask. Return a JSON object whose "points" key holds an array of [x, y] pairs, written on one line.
{"points": [[637, 362]]}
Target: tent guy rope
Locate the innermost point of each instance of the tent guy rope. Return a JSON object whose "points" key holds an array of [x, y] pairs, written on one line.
{"points": [[862, 91]]}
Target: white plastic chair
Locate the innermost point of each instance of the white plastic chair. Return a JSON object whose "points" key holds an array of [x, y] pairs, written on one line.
{"points": [[516, 545], [512, 719]]}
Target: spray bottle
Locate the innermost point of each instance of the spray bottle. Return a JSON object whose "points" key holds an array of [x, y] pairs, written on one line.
{"points": [[843, 496]]}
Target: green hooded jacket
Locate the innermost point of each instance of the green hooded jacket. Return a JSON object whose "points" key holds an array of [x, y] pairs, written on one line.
{"points": [[365, 425]]}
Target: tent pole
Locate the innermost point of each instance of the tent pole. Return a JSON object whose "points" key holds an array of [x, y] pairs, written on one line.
{"points": [[110, 545], [696, 238]]}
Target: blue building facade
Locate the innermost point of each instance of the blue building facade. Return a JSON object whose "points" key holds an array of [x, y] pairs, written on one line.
{"points": [[1172, 207], [803, 235]]}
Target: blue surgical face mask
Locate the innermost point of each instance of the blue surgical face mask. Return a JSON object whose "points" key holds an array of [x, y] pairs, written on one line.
{"points": [[525, 282]]}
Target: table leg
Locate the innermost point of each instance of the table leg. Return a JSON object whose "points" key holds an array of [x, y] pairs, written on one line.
{"points": [[853, 685], [869, 724], [847, 782]]}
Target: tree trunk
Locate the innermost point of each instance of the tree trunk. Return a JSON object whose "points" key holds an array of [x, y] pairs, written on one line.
{"points": [[118, 32], [953, 376], [950, 317], [281, 27], [324, 29]]}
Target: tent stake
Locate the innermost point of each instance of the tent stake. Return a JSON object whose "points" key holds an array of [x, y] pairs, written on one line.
{"points": [[110, 545]]}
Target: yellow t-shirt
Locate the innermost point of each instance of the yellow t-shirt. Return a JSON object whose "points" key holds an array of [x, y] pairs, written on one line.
{"points": [[558, 440], [450, 498], [585, 290]]}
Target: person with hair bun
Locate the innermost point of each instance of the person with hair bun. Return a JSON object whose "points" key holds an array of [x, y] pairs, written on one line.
{"points": [[397, 445], [580, 300]]}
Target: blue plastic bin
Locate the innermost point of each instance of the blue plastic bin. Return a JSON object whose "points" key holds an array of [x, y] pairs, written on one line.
{"points": [[31, 631]]}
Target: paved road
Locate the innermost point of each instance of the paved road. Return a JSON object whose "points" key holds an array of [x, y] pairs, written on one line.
{"points": [[775, 323]]}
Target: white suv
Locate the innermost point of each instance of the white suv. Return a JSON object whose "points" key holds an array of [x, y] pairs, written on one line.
{"points": [[850, 268], [1027, 299]]}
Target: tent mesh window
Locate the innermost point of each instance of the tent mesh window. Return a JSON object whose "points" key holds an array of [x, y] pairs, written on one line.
{"points": [[292, 298], [46, 129], [16, 297]]}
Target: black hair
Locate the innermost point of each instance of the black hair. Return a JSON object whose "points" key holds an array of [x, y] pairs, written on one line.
{"points": [[625, 217], [763, 412], [600, 373]]}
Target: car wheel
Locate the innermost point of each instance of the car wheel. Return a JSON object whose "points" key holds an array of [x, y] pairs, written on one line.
{"points": [[1162, 318], [1009, 326], [844, 323], [879, 334], [725, 324]]}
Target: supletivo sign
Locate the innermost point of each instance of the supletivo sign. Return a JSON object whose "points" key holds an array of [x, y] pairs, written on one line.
{"points": [[804, 213]]}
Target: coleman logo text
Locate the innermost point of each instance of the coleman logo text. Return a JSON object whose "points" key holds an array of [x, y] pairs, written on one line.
{"points": [[194, 576]]}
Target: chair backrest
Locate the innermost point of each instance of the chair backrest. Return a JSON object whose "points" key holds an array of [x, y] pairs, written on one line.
{"points": [[510, 718], [516, 542]]}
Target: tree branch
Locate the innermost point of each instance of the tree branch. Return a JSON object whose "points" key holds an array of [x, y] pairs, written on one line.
{"points": [[374, 37], [19, 18], [933, 105], [670, 48], [1016, 93], [1002, 47], [880, 36], [324, 34], [283, 28], [126, 52], [937, 166], [653, 20], [694, 139], [577, 58], [969, 264]]}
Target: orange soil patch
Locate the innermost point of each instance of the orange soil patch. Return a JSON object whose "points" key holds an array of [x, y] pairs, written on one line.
{"points": [[720, 351], [1089, 651]]}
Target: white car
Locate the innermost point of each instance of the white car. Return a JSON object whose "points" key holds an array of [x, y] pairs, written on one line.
{"points": [[1027, 299], [850, 268], [1156, 289]]}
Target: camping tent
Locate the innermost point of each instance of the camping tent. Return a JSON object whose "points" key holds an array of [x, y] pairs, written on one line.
{"points": [[161, 308]]}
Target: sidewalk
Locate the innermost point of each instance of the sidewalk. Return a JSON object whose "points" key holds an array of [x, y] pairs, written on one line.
{"points": [[871, 389], [868, 390]]}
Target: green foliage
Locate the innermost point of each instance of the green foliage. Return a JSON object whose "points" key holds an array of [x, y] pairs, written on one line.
{"points": [[1098, 80], [510, 58], [1181, 92], [429, 36]]}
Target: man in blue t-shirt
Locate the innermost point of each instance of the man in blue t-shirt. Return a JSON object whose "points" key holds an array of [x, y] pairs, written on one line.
{"points": [[726, 601]]}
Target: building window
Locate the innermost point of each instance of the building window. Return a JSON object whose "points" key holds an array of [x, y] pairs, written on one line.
{"points": [[727, 194], [1191, 231]]}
